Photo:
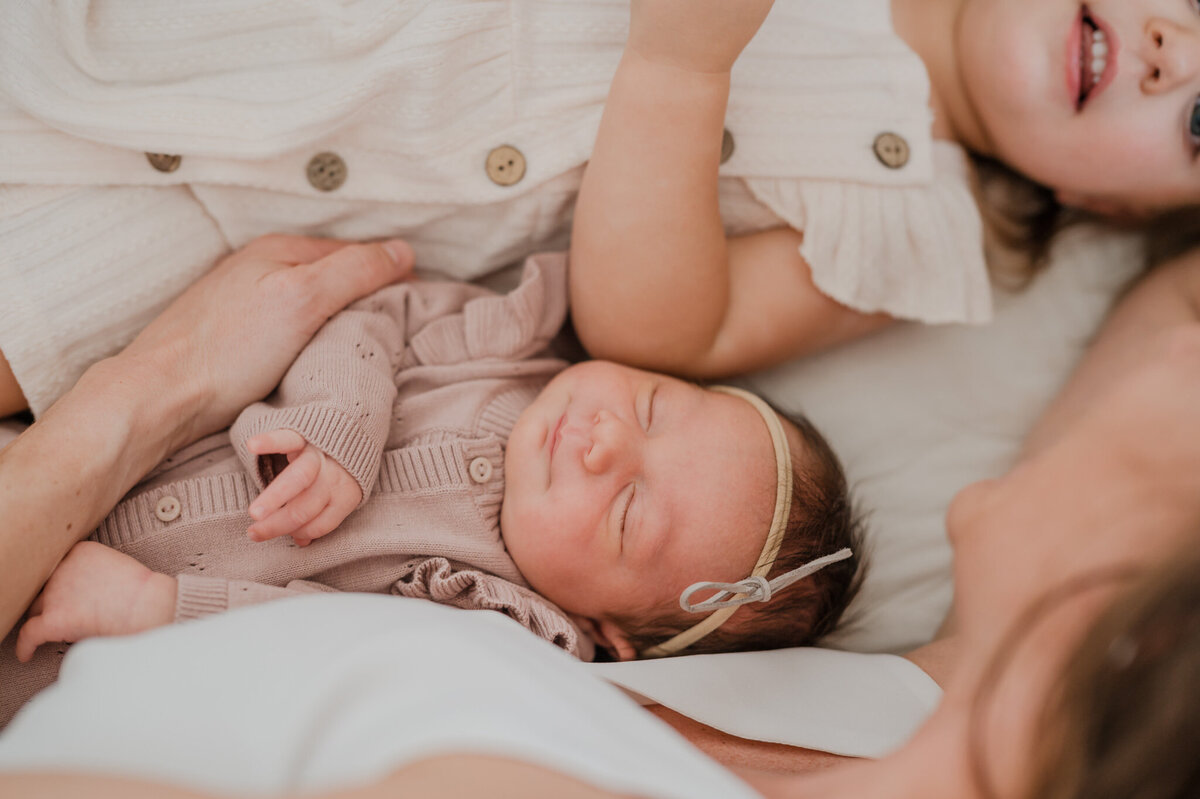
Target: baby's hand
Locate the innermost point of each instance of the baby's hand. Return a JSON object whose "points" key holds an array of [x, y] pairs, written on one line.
{"points": [[308, 499], [96, 590], [698, 35]]}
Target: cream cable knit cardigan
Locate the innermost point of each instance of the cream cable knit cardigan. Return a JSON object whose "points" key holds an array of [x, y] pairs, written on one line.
{"points": [[414, 391], [413, 95]]}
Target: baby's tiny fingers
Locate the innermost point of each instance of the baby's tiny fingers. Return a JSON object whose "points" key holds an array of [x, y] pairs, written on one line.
{"points": [[280, 441], [298, 476], [324, 524], [291, 517]]}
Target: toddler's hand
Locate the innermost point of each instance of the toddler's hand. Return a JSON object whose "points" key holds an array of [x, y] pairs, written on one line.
{"points": [[96, 591], [308, 499], [698, 35]]}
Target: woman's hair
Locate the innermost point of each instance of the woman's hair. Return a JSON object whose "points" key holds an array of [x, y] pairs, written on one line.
{"points": [[823, 520], [1022, 220], [1124, 719]]}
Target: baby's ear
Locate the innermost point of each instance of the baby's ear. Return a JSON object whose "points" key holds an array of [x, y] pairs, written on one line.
{"points": [[607, 635]]}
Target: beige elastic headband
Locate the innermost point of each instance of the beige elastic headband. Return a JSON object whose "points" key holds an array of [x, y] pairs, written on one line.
{"points": [[755, 588]]}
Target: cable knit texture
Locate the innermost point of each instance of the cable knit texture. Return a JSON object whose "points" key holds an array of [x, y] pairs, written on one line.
{"points": [[414, 390], [413, 95]]}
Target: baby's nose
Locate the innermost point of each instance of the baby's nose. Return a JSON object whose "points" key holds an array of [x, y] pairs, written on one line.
{"points": [[614, 445]]}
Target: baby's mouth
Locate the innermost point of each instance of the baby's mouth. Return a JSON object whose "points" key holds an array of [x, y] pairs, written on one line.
{"points": [[1093, 58], [556, 434]]}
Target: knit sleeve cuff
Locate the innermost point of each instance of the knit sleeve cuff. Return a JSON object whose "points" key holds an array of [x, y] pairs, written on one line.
{"points": [[340, 437], [197, 597]]}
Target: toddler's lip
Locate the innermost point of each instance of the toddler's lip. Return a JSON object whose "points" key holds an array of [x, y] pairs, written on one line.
{"points": [[1079, 70], [1074, 45]]}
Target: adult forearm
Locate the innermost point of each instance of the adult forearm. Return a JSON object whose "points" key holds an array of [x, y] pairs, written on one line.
{"points": [[449, 775], [649, 267], [59, 479], [223, 344], [1165, 300]]}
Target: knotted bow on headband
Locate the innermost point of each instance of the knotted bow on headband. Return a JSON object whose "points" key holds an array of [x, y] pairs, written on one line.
{"points": [[754, 588]]}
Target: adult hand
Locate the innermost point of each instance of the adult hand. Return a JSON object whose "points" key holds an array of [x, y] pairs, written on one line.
{"points": [[228, 339], [221, 345], [698, 35]]}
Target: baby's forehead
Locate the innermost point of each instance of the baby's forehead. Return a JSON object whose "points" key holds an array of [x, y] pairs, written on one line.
{"points": [[739, 442], [796, 438]]}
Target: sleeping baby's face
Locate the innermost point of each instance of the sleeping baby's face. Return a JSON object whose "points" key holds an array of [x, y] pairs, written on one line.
{"points": [[623, 487]]}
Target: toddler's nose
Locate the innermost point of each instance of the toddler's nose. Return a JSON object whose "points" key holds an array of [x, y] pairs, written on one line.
{"points": [[614, 445], [1172, 56]]}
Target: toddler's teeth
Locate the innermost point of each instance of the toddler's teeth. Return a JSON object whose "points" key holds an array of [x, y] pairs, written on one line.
{"points": [[1099, 48]]}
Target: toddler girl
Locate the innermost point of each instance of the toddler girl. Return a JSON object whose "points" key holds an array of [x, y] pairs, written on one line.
{"points": [[149, 147], [1097, 101], [461, 463]]}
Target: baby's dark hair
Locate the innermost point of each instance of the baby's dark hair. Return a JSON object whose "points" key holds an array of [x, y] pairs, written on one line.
{"points": [[823, 520]]}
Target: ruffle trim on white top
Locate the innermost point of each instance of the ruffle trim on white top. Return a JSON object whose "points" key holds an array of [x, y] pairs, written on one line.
{"points": [[913, 252]]}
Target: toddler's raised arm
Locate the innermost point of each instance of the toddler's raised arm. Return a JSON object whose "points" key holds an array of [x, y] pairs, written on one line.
{"points": [[654, 281]]}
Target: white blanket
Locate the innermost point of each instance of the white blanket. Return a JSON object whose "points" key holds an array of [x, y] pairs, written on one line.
{"points": [[318, 692]]}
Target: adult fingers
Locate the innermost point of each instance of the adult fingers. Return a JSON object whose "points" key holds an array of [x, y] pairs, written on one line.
{"points": [[293, 249], [299, 475], [276, 441], [291, 517], [355, 271]]}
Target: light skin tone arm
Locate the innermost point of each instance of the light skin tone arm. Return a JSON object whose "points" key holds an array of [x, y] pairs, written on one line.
{"points": [[1165, 299], [745, 756], [224, 343], [654, 282], [442, 776]]}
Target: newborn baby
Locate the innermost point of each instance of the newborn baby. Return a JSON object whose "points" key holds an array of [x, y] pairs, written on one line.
{"points": [[427, 444]]}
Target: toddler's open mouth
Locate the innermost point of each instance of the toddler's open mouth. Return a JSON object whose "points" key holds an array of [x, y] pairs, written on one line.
{"points": [[1093, 57]]}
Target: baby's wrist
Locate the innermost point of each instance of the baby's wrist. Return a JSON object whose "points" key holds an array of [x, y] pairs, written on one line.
{"points": [[159, 598]]}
